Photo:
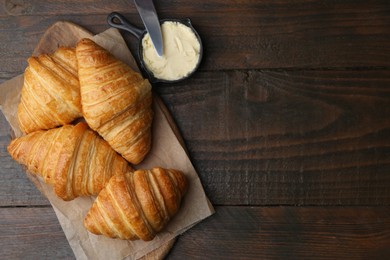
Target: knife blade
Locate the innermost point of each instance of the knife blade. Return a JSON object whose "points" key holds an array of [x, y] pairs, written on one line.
{"points": [[150, 19]]}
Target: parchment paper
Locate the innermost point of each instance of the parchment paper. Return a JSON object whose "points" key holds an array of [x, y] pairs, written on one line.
{"points": [[166, 152]]}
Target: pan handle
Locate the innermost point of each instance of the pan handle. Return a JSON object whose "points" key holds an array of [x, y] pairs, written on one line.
{"points": [[118, 21]]}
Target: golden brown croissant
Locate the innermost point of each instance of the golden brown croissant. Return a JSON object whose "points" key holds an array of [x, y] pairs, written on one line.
{"points": [[74, 159], [137, 205], [51, 92], [116, 101]]}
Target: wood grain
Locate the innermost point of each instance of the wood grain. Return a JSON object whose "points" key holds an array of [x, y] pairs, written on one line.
{"points": [[280, 138], [15, 187], [290, 107], [288, 233], [233, 232], [32, 233], [248, 35], [291, 138]]}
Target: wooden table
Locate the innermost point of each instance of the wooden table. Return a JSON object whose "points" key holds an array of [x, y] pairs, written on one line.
{"points": [[287, 123]]}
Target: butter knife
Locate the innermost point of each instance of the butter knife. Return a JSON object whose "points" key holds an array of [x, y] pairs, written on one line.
{"points": [[150, 19]]}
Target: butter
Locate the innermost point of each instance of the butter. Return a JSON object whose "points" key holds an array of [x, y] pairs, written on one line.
{"points": [[181, 52]]}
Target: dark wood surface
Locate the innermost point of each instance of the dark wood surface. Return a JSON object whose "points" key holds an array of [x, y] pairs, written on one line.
{"points": [[287, 123], [232, 233]]}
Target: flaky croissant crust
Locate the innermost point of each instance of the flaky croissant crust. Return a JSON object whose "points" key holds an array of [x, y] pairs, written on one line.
{"points": [[116, 101], [50, 94], [137, 205], [74, 159]]}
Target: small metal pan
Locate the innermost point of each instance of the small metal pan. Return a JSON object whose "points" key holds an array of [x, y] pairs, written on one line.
{"points": [[118, 21]]}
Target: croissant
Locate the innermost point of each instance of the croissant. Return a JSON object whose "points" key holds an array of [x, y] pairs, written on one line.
{"points": [[74, 159], [50, 94], [116, 101], [137, 205]]}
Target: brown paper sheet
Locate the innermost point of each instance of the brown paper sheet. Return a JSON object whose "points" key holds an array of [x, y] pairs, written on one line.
{"points": [[166, 152]]}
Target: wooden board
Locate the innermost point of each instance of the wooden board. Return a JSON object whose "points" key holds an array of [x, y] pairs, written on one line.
{"points": [[281, 62], [32, 233], [270, 34], [291, 138], [288, 137], [289, 233], [233, 232]]}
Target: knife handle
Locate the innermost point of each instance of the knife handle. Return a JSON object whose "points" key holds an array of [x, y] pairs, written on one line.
{"points": [[118, 21]]}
